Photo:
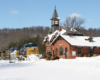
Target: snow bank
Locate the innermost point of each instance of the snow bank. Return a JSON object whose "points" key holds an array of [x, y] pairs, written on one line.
{"points": [[33, 57], [81, 68], [97, 58]]}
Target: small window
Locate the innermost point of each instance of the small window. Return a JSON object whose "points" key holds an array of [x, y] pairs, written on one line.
{"points": [[61, 51], [91, 51], [79, 51], [66, 50]]}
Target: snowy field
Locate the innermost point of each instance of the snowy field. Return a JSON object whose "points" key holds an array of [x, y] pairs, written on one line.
{"points": [[63, 69]]}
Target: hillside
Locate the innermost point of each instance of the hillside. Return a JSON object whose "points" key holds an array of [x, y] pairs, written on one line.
{"points": [[17, 36]]}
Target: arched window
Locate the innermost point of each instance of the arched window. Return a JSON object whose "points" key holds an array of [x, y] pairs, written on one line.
{"points": [[61, 51], [56, 52]]}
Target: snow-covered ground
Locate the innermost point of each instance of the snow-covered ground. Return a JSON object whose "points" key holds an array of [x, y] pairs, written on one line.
{"points": [[63, 69]]}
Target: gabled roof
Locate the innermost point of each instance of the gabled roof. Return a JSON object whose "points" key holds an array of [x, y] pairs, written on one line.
{"points": [[54, 33], [65, 31], [80, 40]]}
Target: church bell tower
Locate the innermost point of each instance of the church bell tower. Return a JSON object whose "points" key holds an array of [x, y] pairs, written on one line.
{"points": [[54, 21]]}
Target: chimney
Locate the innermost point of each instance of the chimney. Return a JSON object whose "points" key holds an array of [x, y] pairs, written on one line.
{"points": [[66, 26], [60, 28]]}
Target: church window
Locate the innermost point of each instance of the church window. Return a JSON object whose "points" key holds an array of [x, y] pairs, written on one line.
{"points": [[61, 51]]}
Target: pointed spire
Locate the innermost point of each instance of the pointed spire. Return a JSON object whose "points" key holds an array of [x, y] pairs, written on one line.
{"points": [[55, 15], [55, 7]]}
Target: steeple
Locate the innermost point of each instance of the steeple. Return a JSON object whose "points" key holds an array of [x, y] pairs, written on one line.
{"points": [[55, 15], [54, 21]]}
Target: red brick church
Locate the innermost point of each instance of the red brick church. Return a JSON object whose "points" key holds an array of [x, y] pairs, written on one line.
{"points": [[69, 43]]}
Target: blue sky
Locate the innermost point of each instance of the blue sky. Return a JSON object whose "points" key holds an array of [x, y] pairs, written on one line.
{"points": [[27, 13]]}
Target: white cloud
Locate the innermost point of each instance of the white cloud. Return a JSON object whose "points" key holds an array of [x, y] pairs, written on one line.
{"points": [[14, 12], [75, 15]]}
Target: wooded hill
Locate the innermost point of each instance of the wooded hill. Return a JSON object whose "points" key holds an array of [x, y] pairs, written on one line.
{"points": [[35, 34], [19, 37]]}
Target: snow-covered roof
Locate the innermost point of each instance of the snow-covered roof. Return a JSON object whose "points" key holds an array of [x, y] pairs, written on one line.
{"points": [[55, 33], [80, 40], [62, 32]]}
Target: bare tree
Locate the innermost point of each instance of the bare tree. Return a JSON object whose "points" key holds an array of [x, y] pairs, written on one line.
{"points": [[75, 22]]}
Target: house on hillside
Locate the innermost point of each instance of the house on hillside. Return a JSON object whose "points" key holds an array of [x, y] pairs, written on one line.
{"points": [[69, 43]]}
